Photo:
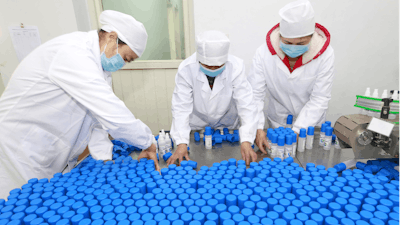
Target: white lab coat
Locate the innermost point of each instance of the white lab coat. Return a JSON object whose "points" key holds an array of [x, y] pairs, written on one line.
{"points": [[195, 105], [57, 102], [304, 92]]}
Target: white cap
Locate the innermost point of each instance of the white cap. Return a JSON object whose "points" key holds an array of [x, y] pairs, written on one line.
{"points": [[395, 95], [297, 19], [129, 30], [375, 94], [367, 92], [212, 48], [384, 94]]}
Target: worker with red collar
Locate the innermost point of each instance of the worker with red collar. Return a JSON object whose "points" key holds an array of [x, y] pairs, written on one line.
{"points": [[296, 66]]}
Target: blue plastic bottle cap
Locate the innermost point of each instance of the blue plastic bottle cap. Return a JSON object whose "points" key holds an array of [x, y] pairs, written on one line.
{"points": [[310, 131], [302, 133]]}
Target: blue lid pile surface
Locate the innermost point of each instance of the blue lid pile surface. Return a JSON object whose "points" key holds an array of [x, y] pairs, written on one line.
{"points": [[269, 192]]}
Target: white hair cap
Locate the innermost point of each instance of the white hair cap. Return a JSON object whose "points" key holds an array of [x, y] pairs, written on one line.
{"points": [[212, 48], [129, 30], [297, 19]]}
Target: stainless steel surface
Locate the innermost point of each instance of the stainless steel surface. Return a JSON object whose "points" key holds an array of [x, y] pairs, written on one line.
{"points": [[206, 157], [317, 154]]}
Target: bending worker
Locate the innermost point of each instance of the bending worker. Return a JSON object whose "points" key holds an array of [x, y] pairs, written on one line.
{"points": [[295, 65], [211, 90], [60, 100]]}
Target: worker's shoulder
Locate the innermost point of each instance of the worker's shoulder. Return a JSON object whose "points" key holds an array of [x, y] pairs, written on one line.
{"points": [[236, 61], [75, 40], [188, 62]]}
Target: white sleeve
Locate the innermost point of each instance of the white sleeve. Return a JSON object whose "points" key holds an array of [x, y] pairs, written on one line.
{"points": [[247, 110], [182, 107], [100, 146], [75, 71], [257, 81], [316, 107]]}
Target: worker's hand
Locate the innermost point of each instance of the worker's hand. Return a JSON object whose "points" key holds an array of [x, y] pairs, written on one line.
{"points": [[261, 141], [297, 136], [180, 152], [150, 153], [248, 154]]}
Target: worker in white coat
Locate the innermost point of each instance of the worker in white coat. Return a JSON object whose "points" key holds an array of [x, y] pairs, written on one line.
{"points": [[211, 89], [296, 67], [60, 100]]}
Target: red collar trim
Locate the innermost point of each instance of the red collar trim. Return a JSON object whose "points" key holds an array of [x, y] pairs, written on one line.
{"points": [[299, 62]]}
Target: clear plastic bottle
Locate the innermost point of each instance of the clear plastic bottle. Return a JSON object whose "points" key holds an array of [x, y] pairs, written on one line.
{"points": [[208, 137], [161, 145], [345, 165], [294, 144], [310, 138], [302, 140], [328, 138], [289, 121], [168, 144], [274, 144], [288, 146], [322, 134], [281, 147], [335, 141]]}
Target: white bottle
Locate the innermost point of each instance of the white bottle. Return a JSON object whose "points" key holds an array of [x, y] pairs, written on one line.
{"points": [[168, 145], [322, 134], [155, 143], [328, 138], [310, 138], [161, 145], [289, 121], [281, 147], [302, 140], [375, 94], [366, 94], [288, 146], [208, 137], [294, 144]]}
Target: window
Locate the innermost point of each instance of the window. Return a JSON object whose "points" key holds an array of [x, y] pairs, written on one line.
{"points": [[165, 22]]}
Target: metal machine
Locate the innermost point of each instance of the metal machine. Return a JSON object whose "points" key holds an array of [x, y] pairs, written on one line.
{"points": [[352, 130]]}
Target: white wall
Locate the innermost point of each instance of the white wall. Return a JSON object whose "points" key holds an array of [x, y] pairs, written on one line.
{"points": [[53, 19], [365, 37]]}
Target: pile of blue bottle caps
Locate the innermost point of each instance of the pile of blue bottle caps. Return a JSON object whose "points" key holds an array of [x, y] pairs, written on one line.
{"points": [[270, 192]]}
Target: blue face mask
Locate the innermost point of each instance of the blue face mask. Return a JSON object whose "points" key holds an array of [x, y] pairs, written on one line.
{"points": [[294, 51], [114, 63], [212, 73]]}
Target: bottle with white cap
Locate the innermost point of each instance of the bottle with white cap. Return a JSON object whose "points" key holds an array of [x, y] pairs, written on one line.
{"points": [[310, 138], [322, 134], [366, 94], [208, 137], [302, 140], [168, 144], [328, 138], [288, 146], [373, 113], [289, 121], [161, 144], [281, 147], [335, 141]]}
